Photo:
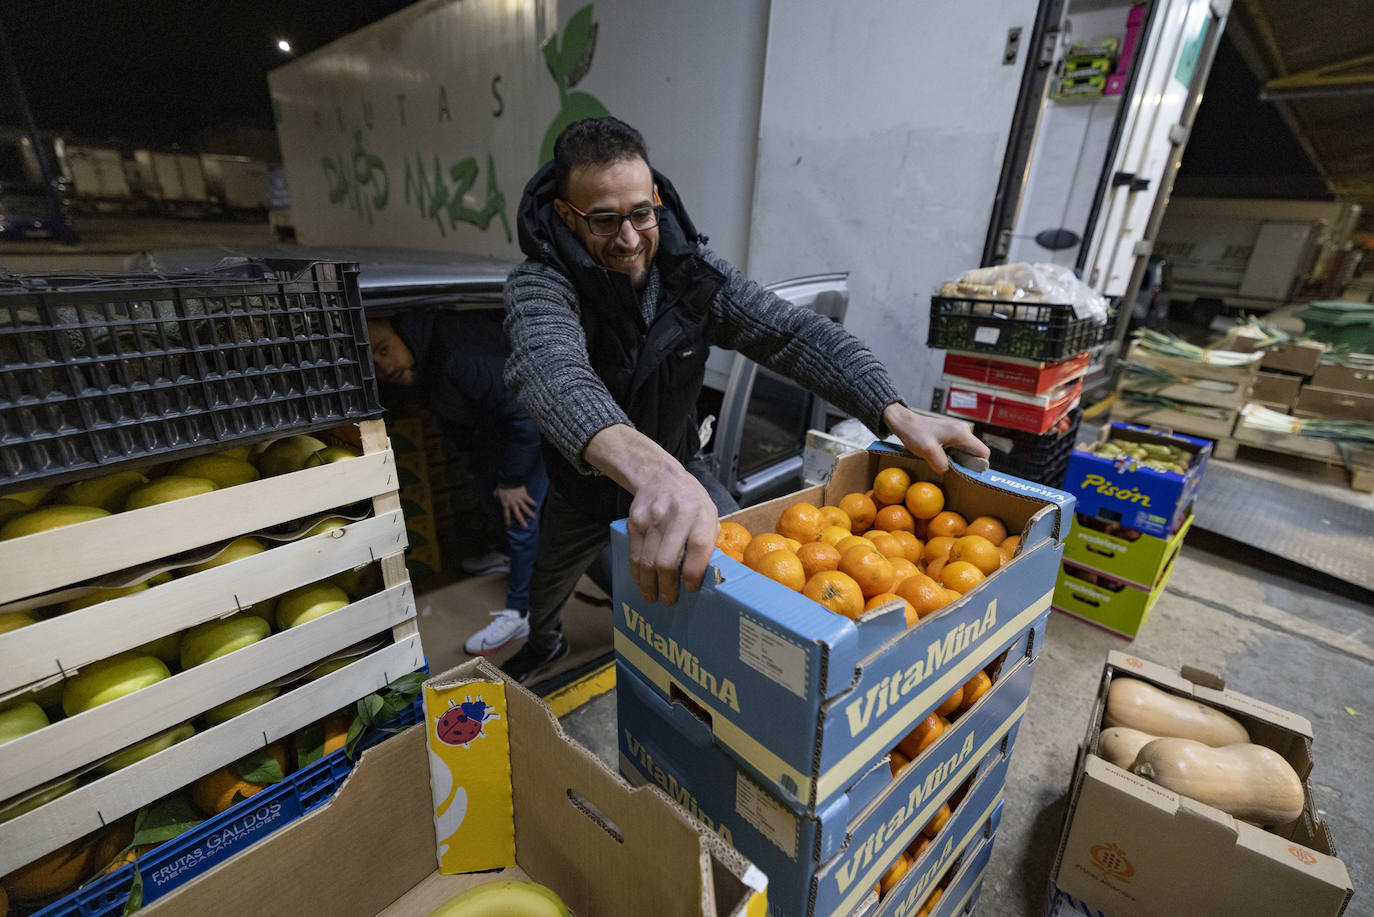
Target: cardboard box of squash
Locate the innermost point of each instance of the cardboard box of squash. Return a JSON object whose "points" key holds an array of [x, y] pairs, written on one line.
{"points": [[1188, 798]]}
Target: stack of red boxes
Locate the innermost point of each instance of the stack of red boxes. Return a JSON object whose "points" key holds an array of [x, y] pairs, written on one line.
{"points": [[1025, 410]]}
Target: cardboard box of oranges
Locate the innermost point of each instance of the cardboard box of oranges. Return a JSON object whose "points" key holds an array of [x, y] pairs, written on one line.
{"points": [[808, 677], [828, 861]]}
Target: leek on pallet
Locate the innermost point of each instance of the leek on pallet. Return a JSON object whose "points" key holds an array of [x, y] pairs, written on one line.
{"points": [[1148, 402], [1261, 418], [1137, 375], [1169, 345]]}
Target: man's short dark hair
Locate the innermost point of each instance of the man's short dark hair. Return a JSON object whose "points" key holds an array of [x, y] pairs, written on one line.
{"points": [[594, 142]]}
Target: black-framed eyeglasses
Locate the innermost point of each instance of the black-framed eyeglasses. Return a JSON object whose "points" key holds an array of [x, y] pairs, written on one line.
{"points": [[607, 222]]}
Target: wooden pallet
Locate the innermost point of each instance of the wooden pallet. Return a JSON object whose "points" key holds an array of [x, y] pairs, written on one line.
{"points": [[43, 653], [1192, 387], [1360, 466], [1219, 431]]}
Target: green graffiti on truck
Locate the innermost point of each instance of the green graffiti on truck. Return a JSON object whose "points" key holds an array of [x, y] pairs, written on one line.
{"points": [[568, 63], [436, 201], [359, 181]]}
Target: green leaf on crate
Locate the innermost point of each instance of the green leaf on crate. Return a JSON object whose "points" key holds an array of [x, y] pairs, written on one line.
{"points": [[135, 893], [165, 819], [309, 744], [369, 708], [409, 685], [259, 767], [355, 733]]}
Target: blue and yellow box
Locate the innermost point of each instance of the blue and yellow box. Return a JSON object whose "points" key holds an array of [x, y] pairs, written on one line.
{"points": [[1120, 489], [808, 700]]}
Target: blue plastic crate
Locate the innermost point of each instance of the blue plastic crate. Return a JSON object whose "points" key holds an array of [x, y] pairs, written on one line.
{"points": [[214, 840]]}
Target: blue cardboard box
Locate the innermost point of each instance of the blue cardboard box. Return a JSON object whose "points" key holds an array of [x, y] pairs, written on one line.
{"points": [[827, 862], [961, 893], [1153, 502], [808, 700]]}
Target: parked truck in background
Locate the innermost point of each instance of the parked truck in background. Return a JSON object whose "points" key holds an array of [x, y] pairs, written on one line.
{"points": [[1254, 255]]}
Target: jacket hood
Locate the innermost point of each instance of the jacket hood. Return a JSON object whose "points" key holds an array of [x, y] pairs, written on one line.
{"points": [[544, 237]]}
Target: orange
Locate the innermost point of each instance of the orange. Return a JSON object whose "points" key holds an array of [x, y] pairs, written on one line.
{"points": [[975, 688], [918, 846], [890, 484], [760, 545], [52, 874], [883, 598], [951, 703], [832, 534], [951, 596], [935, 567], [922, 737], [923, 593], [961, 576], [874, 533], [933, 827], [218, 790], [793, 544], [895, 518], [818, 556], [938, 548], [912, 549], [901, 569], [888, 546], [860, 509], [801, 521], [924, 499], [869, 568], [785, 567], [894, 873], [978, 551], [733, 538], [1008, 548], [933, 900], [896, 761], [836, 591], [989, 527], [833, 515], [844, 544], [947, 523], [922, 528]]}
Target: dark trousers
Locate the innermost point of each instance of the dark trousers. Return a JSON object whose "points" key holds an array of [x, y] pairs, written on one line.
{"points": [[569, 543]]}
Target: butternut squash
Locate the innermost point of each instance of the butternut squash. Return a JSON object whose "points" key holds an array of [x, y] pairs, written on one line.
{"points": [[1139, 705], [1247, 781], [1120, 744]]}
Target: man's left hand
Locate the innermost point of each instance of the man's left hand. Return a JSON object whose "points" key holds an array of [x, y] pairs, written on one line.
{"points": [[929, 437], [517, 505]]}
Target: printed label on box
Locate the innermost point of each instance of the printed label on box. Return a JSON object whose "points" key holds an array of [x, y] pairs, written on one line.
{"points": [[766, 815], [773, 656], [987, 334], [963, 400], [469, 776]]}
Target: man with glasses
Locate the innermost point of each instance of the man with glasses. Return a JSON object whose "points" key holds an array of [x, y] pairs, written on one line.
{"points": [[611, 320]]}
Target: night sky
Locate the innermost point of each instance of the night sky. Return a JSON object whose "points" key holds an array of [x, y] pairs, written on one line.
{"points": [[161, 71]]}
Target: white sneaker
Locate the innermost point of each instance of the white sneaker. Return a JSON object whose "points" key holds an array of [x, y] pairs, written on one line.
{"points": [[490, 562], [507, 625]]}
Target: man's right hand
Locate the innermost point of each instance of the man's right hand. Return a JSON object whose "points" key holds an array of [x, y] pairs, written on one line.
{"points": [[673, 523]]}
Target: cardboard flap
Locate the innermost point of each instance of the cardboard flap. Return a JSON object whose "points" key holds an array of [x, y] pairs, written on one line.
{"points": [[1204, 821]]}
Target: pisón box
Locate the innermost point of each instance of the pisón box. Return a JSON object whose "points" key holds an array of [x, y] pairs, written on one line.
{"points": [[825, 863], [526, 803], [1139, 498], [809, 700], [1132, 848]]}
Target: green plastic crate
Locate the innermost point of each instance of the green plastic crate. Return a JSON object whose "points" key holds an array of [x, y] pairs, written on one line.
{"points": [[1339, 322]]}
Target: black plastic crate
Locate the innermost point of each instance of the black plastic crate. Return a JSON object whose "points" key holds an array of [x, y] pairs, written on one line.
{"points": [[99, 369], [1034, 331], [1042, 458]]}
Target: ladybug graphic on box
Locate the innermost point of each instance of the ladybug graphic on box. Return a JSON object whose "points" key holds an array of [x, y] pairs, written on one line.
{"points": [[461, 723]]}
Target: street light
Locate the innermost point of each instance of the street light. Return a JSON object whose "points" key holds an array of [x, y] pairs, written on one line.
{"points": [[284, 46]]}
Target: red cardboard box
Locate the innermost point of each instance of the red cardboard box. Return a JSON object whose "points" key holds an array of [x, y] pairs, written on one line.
{"points": [[1018, 375], [1006, 408]]}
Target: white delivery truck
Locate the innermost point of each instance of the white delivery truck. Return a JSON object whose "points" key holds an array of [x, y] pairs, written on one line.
{"points": [[237, 184], [98, 180], [1254, 254]]}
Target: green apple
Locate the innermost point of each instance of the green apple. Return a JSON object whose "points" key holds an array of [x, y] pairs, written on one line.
{"points": [[13, 620], [307, 603], [109, 491], [326, 525], [11, 508], [218, 638], [329, 666], [41, 798], [238, 452], [164, 490], [287, 455], [223, 470], [110, 679], [241, 704], [32, 498], [359, 581], [237, 549], [21, 718], [102, 595], [167, 648], [49, 517], [147, 748], [331, 454]]}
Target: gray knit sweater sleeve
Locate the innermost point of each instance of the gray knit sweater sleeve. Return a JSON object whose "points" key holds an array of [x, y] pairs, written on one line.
{"points": [[810, 349], [549, 371]]}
